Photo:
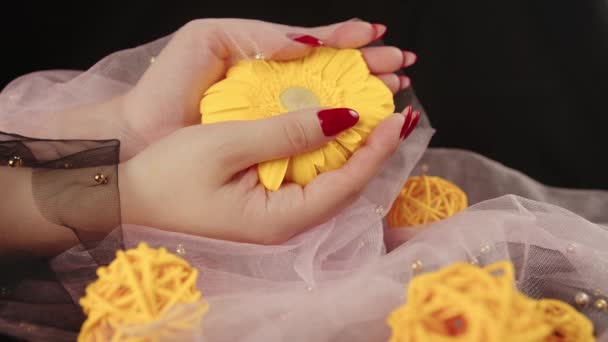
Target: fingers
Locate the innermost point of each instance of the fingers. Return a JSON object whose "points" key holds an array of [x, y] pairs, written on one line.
{"points": [[282, 136], [350, 34], [387, 59], [332, 191], [395, 82]]}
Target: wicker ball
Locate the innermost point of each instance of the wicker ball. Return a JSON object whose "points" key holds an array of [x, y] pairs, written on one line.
{"points": [[136, 298], [425, 199]]}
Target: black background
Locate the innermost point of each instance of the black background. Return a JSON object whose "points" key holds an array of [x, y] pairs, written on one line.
{"points": [[523, 82]]}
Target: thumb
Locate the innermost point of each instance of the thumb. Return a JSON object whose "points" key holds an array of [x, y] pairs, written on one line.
{"points": [[285, 135]]}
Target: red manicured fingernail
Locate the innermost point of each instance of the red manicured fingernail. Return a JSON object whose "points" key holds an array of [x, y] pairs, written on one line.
{"points": [[305, 39], [406, 123], [335, 120], [415, 119], [404, 82], [409, 58], [379, 31]]}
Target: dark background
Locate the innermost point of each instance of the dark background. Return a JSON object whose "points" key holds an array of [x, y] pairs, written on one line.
{"points": [[523, 82]]}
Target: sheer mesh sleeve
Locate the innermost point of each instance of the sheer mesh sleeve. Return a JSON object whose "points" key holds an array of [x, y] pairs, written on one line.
{"points": [[74, 185]]}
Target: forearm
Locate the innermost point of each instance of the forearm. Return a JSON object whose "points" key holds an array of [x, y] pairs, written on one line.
{"points": [[61, 193], [99, 121], [24, 230]]}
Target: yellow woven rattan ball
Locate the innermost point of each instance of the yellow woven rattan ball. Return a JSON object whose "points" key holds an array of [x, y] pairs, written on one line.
{"points": [[145, 294], [425, 199]]}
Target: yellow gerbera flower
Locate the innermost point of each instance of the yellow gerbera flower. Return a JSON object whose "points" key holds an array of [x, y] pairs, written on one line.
{"points": [[327, 77]]}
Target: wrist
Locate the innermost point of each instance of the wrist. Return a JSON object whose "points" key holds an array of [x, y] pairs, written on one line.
{"points": [[125, 189]]}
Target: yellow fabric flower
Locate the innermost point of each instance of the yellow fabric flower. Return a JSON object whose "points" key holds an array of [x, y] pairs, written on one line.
{"points": [[463, 302], [327, 77]]}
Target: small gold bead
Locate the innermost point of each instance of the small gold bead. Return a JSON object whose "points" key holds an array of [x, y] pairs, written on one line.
{"points": [[152, 60], [581, 298], [15, 161], [601, 304], [417, 266], [100, 178], [67, 165]]}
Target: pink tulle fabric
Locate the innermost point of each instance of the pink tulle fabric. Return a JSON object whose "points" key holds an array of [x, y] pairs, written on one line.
{"points": [[340, 280]]}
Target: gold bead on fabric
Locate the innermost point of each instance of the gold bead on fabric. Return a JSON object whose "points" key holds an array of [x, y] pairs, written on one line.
{"points": [[15, 161], [601, 304], [100, 178]]}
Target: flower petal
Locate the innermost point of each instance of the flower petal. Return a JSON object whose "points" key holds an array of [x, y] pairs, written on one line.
{"points": [[347, 67], [216, 100], [374, 103], [233, 114], [303, 170], [272, 173], [349, 136], [334, 157]]}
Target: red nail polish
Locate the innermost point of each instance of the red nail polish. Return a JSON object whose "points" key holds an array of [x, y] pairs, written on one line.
{"points": [[406, 123], [409, 58], [336, 120], [305, 39], [415, 119], [404, 82], [379, 31]]}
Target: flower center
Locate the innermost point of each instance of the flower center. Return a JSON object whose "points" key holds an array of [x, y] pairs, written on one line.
{"points": [[295, 98]]}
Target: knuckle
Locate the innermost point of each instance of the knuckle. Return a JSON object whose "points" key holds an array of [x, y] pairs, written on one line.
{"points": [[296, 135], [193, 26]]}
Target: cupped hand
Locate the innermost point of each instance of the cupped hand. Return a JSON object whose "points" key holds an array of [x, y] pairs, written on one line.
{"points": [[202, 180], [167, 96]]}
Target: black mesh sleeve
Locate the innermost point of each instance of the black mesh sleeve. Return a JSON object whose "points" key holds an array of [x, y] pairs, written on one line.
{"points": [[74, 185]]}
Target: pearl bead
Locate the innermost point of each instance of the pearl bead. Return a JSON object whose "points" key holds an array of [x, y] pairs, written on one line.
{"points": [[581, 298], [259, 56], [485, 249], [180, 250], [424, 168], [571, 248]]}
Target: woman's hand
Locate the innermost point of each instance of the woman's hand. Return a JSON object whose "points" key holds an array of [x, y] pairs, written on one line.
{"points": [[202, 179], [167, 96]]}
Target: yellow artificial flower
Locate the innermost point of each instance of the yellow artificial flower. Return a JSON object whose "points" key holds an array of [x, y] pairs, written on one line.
{"points": [[328, 77]]}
